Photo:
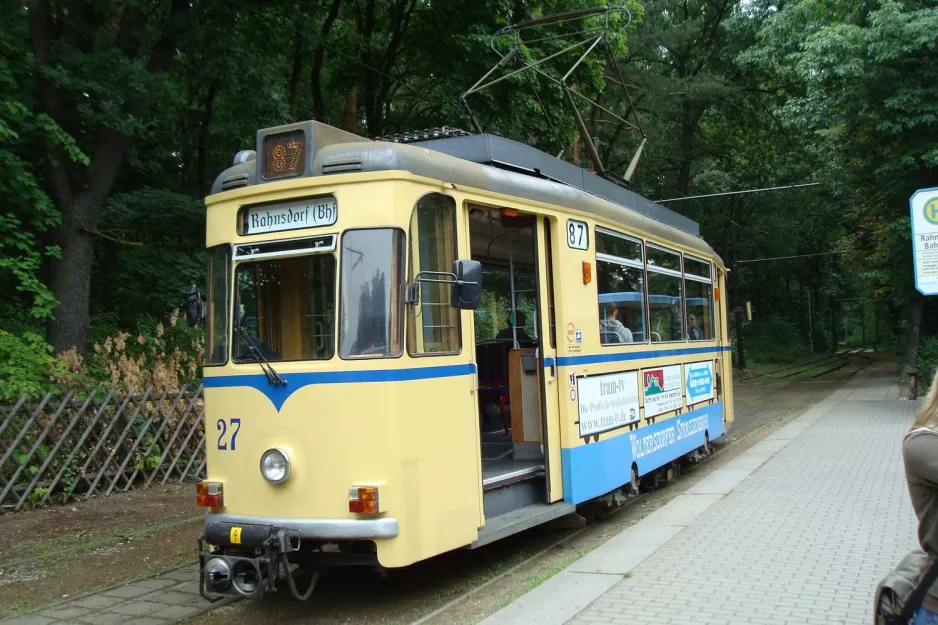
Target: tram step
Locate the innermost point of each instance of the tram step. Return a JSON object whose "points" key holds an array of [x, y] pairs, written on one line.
{"points": [[519, 520], [512, 496]]}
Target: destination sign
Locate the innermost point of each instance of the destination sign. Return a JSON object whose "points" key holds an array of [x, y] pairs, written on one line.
{"points": [[305, 213]]}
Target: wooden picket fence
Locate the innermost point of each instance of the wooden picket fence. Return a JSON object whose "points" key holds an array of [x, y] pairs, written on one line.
{"points": [[64, 449]]}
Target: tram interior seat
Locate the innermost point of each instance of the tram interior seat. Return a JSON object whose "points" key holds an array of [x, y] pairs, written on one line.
{"points": [[611, 338], [493, 377]]}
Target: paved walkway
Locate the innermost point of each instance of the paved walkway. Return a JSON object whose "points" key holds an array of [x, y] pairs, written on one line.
{"points": [[159, 601], [798, 529]]}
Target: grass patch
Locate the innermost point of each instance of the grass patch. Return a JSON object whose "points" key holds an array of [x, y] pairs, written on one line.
{"points": [[536, 579], [118, 535]]}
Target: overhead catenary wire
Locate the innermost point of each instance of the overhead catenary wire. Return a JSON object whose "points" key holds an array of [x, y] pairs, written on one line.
{"points": [[741, 192], [762, 260]]}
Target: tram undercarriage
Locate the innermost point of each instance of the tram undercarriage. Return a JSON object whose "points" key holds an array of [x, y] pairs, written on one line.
{"points": [[266, 558]]}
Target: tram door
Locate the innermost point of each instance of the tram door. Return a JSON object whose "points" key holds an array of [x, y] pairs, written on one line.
{"points": [[552, 387], [513, 343]]}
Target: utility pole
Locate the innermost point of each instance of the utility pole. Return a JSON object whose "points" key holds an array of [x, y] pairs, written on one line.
{"points": [[863, 320], [737, 309], [810, 323]]}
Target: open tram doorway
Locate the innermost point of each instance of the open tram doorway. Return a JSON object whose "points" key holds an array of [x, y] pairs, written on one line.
{"points": [[509, 353]]}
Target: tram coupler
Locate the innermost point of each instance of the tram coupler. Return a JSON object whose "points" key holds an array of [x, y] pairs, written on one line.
{"points": [[245, 561]]}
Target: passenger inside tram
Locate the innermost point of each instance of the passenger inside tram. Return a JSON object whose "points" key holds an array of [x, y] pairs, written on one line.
{"points": [[613, 330], [515, 329]]}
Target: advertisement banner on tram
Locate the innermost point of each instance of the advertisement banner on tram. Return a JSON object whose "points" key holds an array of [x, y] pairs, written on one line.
{"points": [[699, 382], [607, 402], [662, 390]]}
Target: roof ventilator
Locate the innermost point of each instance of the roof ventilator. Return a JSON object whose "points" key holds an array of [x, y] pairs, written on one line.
{"points": [[343, 164], [233, 182]]}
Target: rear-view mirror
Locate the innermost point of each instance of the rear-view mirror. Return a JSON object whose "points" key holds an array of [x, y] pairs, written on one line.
{"points": [[467, 288], [194, 307]]}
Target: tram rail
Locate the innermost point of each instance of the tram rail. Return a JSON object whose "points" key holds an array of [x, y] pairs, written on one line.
{"points": [[851, 356], [830, 363]]}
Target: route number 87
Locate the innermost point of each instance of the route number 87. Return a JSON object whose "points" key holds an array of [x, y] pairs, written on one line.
{"points": [[578, 235], [222, 426]]}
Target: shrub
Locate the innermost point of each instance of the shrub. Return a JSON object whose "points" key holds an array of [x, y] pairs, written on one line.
{"points": [[163, 355], [773, 340], [27, 366], [927, 361]]}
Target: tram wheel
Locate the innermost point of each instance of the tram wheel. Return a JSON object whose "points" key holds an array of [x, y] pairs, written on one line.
{"points": [[635, 483]]}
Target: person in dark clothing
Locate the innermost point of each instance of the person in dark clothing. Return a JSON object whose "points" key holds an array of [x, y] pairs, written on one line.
{"points": [[506, 333], [920, 456], [693, 332]]}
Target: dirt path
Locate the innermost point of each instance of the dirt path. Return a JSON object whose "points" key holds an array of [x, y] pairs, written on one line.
{"points": [[64, 551]]}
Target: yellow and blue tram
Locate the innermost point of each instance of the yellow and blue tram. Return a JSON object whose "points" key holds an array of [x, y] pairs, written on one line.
{"points": [[431, 342]]}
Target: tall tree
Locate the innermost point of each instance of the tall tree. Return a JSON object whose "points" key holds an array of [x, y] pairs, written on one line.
{"points": [[98, 66], [870, 94]]}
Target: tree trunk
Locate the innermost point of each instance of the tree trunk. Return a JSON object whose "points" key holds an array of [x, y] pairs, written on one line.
{"points": [[351, 109], [910, 361], [319, 107], [71, 282], [203, 135], [297, 71], [687, 150]]}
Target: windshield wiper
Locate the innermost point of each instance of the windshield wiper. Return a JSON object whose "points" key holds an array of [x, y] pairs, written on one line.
{"points": [[272, 376]]}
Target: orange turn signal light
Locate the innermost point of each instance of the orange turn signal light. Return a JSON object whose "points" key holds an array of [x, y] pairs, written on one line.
{"points": [[363, 507], [587, 273], [209, 495], [363, 500]]}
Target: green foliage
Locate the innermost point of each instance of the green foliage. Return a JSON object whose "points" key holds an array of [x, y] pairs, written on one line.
{"points": [[927, 361], [773, 340], [27, 211], [730, 94], [26, 366], [156, 239]]}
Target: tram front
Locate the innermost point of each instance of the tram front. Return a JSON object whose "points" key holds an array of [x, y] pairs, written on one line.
{"points": [[328, 443]]}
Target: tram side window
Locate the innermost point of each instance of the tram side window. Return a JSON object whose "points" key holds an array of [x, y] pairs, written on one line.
{"points": [[698, 282], [372, 279], [219, 290], [621, 285], [433, 323], [665, 295]]}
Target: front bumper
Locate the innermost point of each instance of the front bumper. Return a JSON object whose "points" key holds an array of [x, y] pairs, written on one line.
{"points": [[317, 529], [247, 555]]}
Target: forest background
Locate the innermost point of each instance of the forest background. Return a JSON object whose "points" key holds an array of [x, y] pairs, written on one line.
{"points": [[116, 116]]}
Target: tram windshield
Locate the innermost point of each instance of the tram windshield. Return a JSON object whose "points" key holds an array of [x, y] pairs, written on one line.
{"points": [[286, 308]]}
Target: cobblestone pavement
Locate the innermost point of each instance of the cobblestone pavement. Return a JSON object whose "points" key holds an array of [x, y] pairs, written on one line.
{"points": [[798, 529], [804, 539], [159, 601]]}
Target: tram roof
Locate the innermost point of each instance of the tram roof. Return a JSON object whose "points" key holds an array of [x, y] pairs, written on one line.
{"points": [[480, 161]]}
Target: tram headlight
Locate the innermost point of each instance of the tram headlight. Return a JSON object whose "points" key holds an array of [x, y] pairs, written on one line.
{"points": [[275, 466]]}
